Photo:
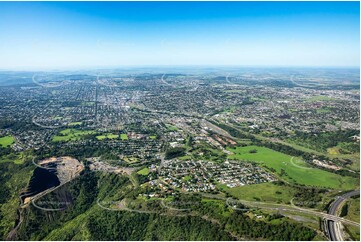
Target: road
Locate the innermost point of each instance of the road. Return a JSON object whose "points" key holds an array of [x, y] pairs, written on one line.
{"points": [[290, 208], [333, 227]]}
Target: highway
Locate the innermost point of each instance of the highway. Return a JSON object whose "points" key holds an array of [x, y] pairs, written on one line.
{"points": [[285, 208], [333, 227]]}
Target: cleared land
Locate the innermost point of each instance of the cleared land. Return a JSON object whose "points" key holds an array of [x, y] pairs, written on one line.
{"points": [[6, 141], [124, 136], [107, 136], [74, 123], [72, 134], [296, 171], [144, 171], [261, 192], [320, 98]]}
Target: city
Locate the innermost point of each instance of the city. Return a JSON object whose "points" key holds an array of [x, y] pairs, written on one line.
{"points": [[180, 121]]}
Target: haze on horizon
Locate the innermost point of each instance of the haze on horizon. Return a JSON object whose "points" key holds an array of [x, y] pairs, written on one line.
{"points": [[44, 35]]}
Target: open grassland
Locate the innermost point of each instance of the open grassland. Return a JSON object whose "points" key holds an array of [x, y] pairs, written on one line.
{"points": [[320, 98], [17, 158], [107, 136], [130, 160], [171, 127], [144, 171], [293, 170], [74, 123], [72, 134], [6, 141], [124, 136], [333, 151], [267, 192]]}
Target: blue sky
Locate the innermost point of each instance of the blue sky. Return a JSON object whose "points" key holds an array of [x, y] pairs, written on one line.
{"points": [[112, 34]]}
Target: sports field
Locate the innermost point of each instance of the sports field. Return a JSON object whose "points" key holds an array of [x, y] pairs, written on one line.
{"points": [[6, 141], [294, 170]]}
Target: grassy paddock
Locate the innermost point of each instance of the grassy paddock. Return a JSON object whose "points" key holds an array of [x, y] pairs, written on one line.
{"points": [[296, 170], [268, 192]]}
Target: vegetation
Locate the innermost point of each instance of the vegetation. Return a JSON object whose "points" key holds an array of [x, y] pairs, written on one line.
{"points": [[325, 140], [14, 178], [171, 127], [7, 155], [344, 210], [144, 171], [267, 192], [308, 197], [320, 98], [277, 231], [353, 210], [72, 134], [124, 136], [107, 136], [6, 141], [290, 170], [174, 152], [85, 220]]}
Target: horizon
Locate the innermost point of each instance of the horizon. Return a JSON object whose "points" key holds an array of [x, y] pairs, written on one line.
{"points": [[85, 35], [190, 67]]}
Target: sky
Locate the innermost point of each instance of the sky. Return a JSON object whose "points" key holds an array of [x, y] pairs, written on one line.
{"points": [[42, 35]]}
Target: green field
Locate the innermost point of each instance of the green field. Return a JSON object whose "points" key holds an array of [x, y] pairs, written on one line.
{"points": [[153, 137], [261, 192], [17, 158], [320, 98], [74, 123], [107, 136], [186, 178], [144, 171], [186, 157], [124, 136], [71, 134], [6, 141], [296, 170], [171, 127], [130, 160]]}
